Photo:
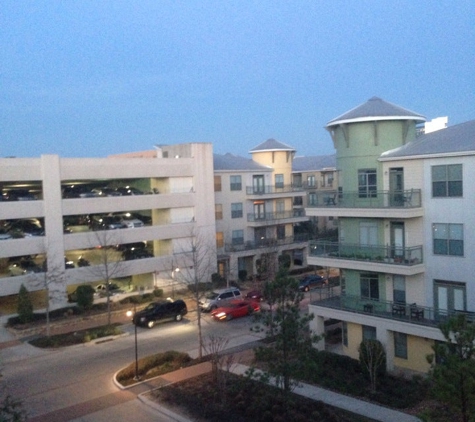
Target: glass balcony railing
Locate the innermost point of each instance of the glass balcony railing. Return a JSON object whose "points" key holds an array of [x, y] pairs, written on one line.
{"points": [[271, 216], [408, 312], [269, 189], [373, 199], [354, 252], [265, 243]]}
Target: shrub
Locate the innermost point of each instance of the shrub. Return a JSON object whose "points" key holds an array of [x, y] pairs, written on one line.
{"points": [[25, 306], [242, 275], [158, 292], [85, 296]]}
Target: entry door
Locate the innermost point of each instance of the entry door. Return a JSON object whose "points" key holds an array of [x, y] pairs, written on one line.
{"points": [[258, 184], [396, 186], [397, 241]]}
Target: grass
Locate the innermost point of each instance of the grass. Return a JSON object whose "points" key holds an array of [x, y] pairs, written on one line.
{"points": [[76, 337]]}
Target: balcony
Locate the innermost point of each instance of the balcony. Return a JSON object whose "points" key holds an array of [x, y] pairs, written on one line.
{"points": [[265, 243], [274, 190], [386, 204], [412, 313], [269, 218], [383, 258]]}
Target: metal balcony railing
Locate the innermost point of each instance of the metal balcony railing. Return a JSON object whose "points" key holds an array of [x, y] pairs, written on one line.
{"points": [[271, 216], [269, 189], [265, 243], [408, 312], [372, 199], [355, 252]]}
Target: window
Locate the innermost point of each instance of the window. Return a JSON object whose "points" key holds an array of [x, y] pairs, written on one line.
{"points": [[447, 181], [238, 237], [399, 289], [259, 211], [312, 199], [369, 284], [280, 232], [280, 207], [448, 239], [218, 211], [369, 333], [449, 296], [236, 210], [258, 186], [279, 181], [236, 183], [219, 240], [344, 333], [217, 183], [311, 181], [400, 345], [367, 183]]}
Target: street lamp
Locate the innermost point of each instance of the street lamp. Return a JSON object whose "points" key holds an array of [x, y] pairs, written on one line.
{"points": [[174, 270], [131, 314]]}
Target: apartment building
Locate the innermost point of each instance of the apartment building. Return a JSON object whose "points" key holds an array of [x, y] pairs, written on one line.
{"points": [[255, 213], [318, 177], [145, 206], [404, 252]]}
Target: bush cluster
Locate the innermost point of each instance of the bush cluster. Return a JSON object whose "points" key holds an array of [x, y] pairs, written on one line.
{"points": [[160, 363]]}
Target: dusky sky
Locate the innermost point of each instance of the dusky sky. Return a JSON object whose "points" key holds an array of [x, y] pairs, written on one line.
{"points": [[91, 78]]}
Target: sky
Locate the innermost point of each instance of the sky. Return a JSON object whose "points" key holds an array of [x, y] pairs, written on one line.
{"points": [[93, 78]]}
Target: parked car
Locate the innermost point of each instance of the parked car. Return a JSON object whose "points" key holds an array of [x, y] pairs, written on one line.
{"points": [[129, 190], [235, 309], [24, 228], [99, 222], [78, 191], [216, 298], [114, 289], [18, 195], [160, 311], [311, 282], [133, 245], [23, 267], [130, 254], [68, 263], [105, 191], [255, 295], [83, 262], [4, 235]]}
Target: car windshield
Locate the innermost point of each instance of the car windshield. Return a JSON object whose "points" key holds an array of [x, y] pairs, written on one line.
{"points": [[212, 295], [153, 305]]}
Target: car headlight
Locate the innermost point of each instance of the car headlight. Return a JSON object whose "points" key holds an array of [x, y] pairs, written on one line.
{"points": [[221, 315]]}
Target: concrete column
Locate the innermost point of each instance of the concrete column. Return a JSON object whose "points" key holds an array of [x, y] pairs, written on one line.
{"points": [[55, 278], [317, 326], [387, 340]]}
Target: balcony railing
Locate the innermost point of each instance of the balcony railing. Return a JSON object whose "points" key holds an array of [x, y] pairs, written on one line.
{"points": [[413, 313], [270, 216], [374, 199], [265, 243], [354, 252], [265, 190]]}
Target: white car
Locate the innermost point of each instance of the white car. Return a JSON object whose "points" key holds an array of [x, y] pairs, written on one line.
{"points": [[132, 222]]}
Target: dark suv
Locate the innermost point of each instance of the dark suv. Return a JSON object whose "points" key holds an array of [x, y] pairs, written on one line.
{"points": [[311, 282], [160, 311]]}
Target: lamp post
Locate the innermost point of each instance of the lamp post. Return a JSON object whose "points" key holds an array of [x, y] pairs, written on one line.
{"points": [[174, 270], [131, 314]]}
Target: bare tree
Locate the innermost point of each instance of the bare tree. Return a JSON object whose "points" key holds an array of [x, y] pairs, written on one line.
{"points": [[52, 281], [197, 263], [373, 360], [110, 263]]}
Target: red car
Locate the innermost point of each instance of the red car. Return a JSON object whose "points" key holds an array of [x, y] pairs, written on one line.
{"points": [[235, 309]]}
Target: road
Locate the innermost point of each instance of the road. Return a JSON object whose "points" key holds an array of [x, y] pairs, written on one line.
{"points": [[53, 382]]}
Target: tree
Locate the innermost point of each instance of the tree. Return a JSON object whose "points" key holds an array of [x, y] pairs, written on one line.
{"points": [[197, 264], [25, 306], [288, 331], [110, 263], [453, 367], [51, 281], [11, 409], [373, 360], [85, 296]]}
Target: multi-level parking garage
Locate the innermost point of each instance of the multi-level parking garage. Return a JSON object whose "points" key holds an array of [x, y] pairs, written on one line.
{"points": [[59, 214]]}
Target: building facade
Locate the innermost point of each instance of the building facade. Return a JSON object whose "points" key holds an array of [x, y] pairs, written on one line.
{"points": [[143, 207], [403, 252], [255, 213]]}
